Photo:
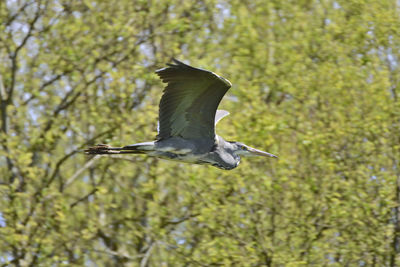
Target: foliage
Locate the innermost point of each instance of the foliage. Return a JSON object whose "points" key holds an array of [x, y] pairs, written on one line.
{"points": [[315, 82]]}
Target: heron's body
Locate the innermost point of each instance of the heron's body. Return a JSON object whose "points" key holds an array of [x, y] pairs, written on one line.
{"points": [[186, 150], [187, 118]]}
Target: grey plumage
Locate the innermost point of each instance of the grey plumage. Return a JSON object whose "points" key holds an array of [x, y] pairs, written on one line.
{"points": [[189, 102], [187, 118]]}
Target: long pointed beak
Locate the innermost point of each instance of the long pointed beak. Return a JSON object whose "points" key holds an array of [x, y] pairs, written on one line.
{"points": [[260, 153]]}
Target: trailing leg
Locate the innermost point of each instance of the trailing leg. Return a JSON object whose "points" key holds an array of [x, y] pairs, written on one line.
{"points": [[102, 149]]}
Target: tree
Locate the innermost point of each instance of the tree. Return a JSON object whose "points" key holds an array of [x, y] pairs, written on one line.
{"points": [[315, 82]]}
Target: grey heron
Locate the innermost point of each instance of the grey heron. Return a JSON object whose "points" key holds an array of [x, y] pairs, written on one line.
{"points": [[187, 118]]}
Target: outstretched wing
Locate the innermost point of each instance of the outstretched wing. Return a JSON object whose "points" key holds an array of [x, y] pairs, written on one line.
{"points": [[190, 101]]}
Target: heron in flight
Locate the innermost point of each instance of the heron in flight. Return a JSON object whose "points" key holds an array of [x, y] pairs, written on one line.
{"points": [[187, 118]]}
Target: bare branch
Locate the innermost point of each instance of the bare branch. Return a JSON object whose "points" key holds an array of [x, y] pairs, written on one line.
{"points": [[17, 13], [3, 93], [67, 156], [48, 83], [84, 198], [14, 55], [144, 261], [78, 172], [117, 254]]}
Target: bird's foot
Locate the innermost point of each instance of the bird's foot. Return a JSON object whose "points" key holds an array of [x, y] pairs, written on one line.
{"points": [[102, 149]]}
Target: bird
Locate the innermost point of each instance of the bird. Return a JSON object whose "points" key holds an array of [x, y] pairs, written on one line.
{"points": [[187, 118]]}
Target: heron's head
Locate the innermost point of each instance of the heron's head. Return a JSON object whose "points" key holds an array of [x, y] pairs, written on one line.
{"points": [[244, 150]]}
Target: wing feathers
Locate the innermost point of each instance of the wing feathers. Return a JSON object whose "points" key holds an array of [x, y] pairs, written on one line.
{"points": [[190, 101], [220, 115]]}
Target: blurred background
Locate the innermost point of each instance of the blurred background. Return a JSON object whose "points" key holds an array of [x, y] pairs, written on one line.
{"points": [[315, 82]]}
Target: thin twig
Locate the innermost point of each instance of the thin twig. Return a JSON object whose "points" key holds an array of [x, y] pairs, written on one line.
{"points": [[143, 262], [3, 93], [86, 197], [114, 253], [78, 172]]}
